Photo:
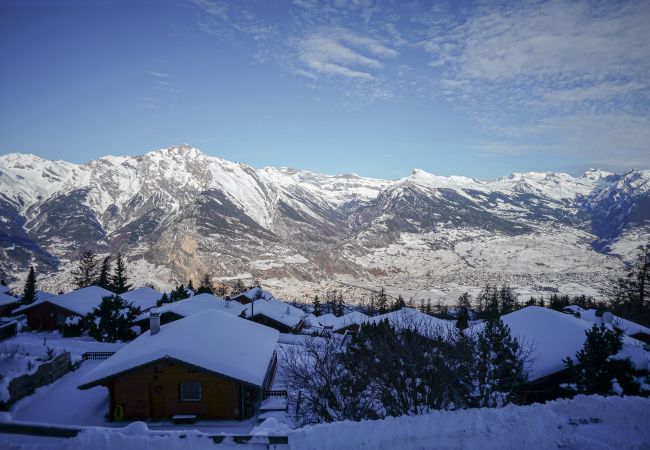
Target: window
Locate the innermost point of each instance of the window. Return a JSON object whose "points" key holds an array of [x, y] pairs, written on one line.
{"points": [[190, 391]]}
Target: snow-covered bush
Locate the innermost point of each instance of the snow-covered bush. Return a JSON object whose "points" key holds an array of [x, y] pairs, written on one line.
{"points": [[72, 327], [112, 320]]}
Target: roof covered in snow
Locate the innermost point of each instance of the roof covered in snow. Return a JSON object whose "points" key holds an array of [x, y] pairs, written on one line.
{"points": [[256, 293], [327, 320], [412, 318], [629, 328], [552, 336], [196, 304], [355, 317], [82, 301], [238, 348], [277, 310], [144, 298], [6, 299], [4, 289]]}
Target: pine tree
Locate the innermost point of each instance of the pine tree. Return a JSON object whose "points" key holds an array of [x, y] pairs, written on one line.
{"points": [[316, 306], [340, 307], [499, 366], [382, 302], [29, 292], [221, 289], [3, 282], [113, 320], [463, 307], [163, 300], [120, 282], [104, 279], [205, 287], [190, 285], [180, 293], [238, 287], [85, 274], [398, 304]]}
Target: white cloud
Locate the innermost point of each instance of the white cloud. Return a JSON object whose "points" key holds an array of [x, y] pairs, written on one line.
{"points": [[343, 53]]}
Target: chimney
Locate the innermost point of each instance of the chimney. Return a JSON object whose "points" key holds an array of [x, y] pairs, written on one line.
{"points": [[288, 311], [154, 322], [227, 301]]}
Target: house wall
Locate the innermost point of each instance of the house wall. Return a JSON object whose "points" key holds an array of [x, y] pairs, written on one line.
{"points": [[261, 319], [352, 328], [48, 316], [154, 392]]}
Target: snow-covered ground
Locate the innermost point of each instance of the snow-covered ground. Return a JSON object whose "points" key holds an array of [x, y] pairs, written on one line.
{"points": [[582, 423]]}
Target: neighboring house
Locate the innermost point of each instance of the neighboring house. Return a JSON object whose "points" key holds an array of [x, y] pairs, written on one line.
{"points": [[327, 320], [7, 303], [349, 323], [51, 313], [210, 365], [631, 329], [251, 295], [412, 318], [189, 306], [276, 314], [144, 298]]}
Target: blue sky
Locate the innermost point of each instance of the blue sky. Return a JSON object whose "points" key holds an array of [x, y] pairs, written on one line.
{"points": [[374, 87]]}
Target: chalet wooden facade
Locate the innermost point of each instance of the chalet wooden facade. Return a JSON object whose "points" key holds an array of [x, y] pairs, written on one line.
{"points": [[282, 327], [51, 313], [168, 387], [211, 365]]}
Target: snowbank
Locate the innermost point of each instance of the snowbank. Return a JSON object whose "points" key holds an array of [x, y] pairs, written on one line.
{"points": [[584, 422]]}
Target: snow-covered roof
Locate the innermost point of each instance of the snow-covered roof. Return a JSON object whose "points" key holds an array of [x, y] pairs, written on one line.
{"points": [[629, 328], [144, 298], [82, 301], [6, 299], [410, 318], [4, 289], [355, 317], [277, 310], [198, 303], [256, 293], [211, 340], [327, 320]]}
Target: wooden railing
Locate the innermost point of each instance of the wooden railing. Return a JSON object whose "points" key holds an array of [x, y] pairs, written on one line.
{"points": [[275, 393], [8, 330], [96, 355]]}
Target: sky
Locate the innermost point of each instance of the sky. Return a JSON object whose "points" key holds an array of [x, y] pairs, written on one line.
{"points": [[474, 88]]}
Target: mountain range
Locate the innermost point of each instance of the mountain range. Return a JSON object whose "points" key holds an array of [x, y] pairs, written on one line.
{"points": [[178, 213]]}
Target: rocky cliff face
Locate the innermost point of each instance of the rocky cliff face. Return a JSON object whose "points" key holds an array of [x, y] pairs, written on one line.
{"points": [[178, 213]]}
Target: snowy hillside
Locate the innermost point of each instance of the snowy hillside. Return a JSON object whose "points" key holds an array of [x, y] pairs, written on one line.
{"points": [[178, 213]]}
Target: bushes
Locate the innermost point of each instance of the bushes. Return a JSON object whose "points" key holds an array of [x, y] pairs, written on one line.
{"points": [[72, 327], [387, 371]]}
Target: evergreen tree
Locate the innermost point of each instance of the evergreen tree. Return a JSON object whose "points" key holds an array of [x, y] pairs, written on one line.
{"points": [[221, 289], [598, 373], [398, 304], [316, 306], [508, 300], [632, 300], [112, 320], [3, 282], [462, 308], [238, 287], [190, 286], [29, 292], [163, 300], [180, 293], [104, 279], [120, 281], [499, 365], [85, 274], [205, 287], [382, 302], [340, 307]]}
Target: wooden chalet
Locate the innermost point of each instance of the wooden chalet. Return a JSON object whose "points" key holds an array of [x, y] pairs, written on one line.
{"points": [[276, 314], [211, 365], [51, 313]]}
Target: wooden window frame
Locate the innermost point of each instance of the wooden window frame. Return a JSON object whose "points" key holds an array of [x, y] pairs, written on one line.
{"points": [[184, 399]]}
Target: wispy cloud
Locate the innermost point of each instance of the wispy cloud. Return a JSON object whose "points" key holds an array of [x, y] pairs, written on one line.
{"points": [[341, 52]]}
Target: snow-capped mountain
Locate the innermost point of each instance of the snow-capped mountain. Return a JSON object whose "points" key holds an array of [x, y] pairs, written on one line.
{"points": [[178, 213]]}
